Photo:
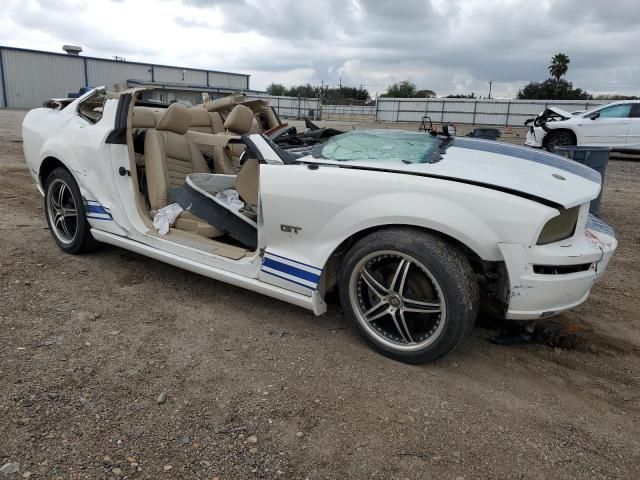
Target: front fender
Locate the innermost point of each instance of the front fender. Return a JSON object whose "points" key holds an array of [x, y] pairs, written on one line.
{"points": [[441, 215], [308, 213]]}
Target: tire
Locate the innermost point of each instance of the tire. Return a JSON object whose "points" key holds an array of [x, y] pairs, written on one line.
{"points": [[557, 139], [65, 213], [411, 294]]}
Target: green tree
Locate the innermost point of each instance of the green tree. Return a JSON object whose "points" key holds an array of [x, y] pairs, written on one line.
{"points": [[462, 95], [552, 89], [276, 89], [404, 89], [426, 93], [559, 65]]}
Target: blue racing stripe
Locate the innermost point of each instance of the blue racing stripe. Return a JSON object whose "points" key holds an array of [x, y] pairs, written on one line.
{"points": [[95, 209], [294, 261], [525, 153], [288, 269], [288, 280]]}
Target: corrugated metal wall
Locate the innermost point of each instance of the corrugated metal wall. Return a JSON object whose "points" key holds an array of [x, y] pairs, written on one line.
{"points": [[471, 111], [219, 79], [31, 78], [180, 75], [2, 98], [107, 73]]}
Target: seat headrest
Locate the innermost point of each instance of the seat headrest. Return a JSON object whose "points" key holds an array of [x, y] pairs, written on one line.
{"points": [[199, 117], [176, 119], [239, 120], [143, 118]]}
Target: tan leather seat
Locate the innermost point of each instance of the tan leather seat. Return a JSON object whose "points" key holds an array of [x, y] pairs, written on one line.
{"points": [[205, 122], [143, 117], [169, 157], [239, 122], [247, 183]]}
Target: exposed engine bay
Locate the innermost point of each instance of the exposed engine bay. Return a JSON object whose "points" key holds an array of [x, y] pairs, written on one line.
{"points": [[550, 114]]}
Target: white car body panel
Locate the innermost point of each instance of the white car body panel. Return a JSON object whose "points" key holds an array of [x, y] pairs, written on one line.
{"points": [[494, 199], [616, 133]]}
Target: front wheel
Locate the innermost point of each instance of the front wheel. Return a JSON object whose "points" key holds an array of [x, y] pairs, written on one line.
{"points": [[411, 294], [65, 213], [559, 139]]}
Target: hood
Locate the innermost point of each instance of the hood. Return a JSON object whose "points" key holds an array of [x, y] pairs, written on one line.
{"points": [[550, 114], [538, 175], [559, 111]]}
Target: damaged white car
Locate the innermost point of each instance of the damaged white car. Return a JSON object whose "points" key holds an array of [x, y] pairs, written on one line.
{"points": [[417, 232], [616, 125]]}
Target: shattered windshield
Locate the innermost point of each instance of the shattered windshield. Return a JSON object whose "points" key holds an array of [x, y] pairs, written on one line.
{"points": [[381, 145]]}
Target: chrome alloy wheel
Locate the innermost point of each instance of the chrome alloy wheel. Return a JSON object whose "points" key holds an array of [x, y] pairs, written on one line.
{"points": [[397, 300], [62, 211], [559, 139]]}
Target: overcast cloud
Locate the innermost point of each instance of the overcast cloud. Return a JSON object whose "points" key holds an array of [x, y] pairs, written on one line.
{"points": [[450, 46]]}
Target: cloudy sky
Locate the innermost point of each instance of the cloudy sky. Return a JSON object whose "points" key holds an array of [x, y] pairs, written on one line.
{"points": [[450, 46]]}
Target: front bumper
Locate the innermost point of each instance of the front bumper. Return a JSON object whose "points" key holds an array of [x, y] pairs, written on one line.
{"points": [[534, 138], [533, 294]]}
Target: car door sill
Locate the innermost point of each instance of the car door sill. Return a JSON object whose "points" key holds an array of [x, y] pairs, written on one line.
{"points": [[313, 302]]}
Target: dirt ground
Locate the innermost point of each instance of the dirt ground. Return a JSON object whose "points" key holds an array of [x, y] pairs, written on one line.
{"points": [[257, 388]]}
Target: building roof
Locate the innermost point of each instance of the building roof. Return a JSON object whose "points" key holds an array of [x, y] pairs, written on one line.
{"points": [[150, 64]]}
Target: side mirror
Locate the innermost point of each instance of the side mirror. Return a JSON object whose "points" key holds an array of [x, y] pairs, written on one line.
{"points": [[594, 116]]}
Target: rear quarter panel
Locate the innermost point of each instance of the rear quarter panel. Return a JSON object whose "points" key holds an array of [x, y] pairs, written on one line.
{"points": [[38, 126]]}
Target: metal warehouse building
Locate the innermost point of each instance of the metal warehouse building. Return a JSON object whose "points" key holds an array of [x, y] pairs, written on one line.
{"points": [[30, 77]]}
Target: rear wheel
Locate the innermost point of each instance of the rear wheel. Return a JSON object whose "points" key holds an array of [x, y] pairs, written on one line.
{"points": [[557, 139], [411, 294], [65, 213]]}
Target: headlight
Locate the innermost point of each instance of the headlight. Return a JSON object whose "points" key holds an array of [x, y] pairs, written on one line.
{"points": [[561, 227]]}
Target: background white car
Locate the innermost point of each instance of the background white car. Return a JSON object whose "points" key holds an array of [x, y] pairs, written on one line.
{"points": [[616, 125]]}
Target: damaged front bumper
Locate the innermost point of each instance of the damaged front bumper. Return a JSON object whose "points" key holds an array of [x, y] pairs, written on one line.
{"points": [[537, 127], [534, 138], [549, 279]]}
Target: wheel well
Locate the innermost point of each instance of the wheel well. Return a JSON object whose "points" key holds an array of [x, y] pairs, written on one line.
{"points": [[48, 165], [545, 141], [492, 276]]}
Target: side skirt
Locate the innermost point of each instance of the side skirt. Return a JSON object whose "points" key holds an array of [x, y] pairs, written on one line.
{"points": [[313, 303]]}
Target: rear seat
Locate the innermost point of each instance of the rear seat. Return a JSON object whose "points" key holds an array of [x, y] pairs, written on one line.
{"points": [[144, 118], [205, 122]]}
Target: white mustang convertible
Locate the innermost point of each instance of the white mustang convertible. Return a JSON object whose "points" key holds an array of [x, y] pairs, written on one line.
{"points": [[417, 232]]}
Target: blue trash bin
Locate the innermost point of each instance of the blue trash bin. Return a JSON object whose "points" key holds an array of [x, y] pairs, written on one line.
{"points": [[594, 157]]}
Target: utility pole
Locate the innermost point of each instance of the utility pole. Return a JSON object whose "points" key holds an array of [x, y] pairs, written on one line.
{"points": [[341, 83], [490, 83]]}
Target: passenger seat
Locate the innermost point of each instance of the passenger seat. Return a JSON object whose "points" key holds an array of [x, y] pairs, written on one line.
{"points": [[239, 122], [169, 157]]}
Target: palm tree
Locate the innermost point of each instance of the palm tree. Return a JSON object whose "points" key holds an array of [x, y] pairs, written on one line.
{"points": [[559, 66]]}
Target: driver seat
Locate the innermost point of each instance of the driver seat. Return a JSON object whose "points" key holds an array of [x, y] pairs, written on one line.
{"points": [[169, 156]]}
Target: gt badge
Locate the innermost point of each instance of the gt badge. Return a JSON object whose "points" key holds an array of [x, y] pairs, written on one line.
{"points": [[290, 229]]}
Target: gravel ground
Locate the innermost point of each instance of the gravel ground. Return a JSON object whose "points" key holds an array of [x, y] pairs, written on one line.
{"points": [[113, 365]]}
